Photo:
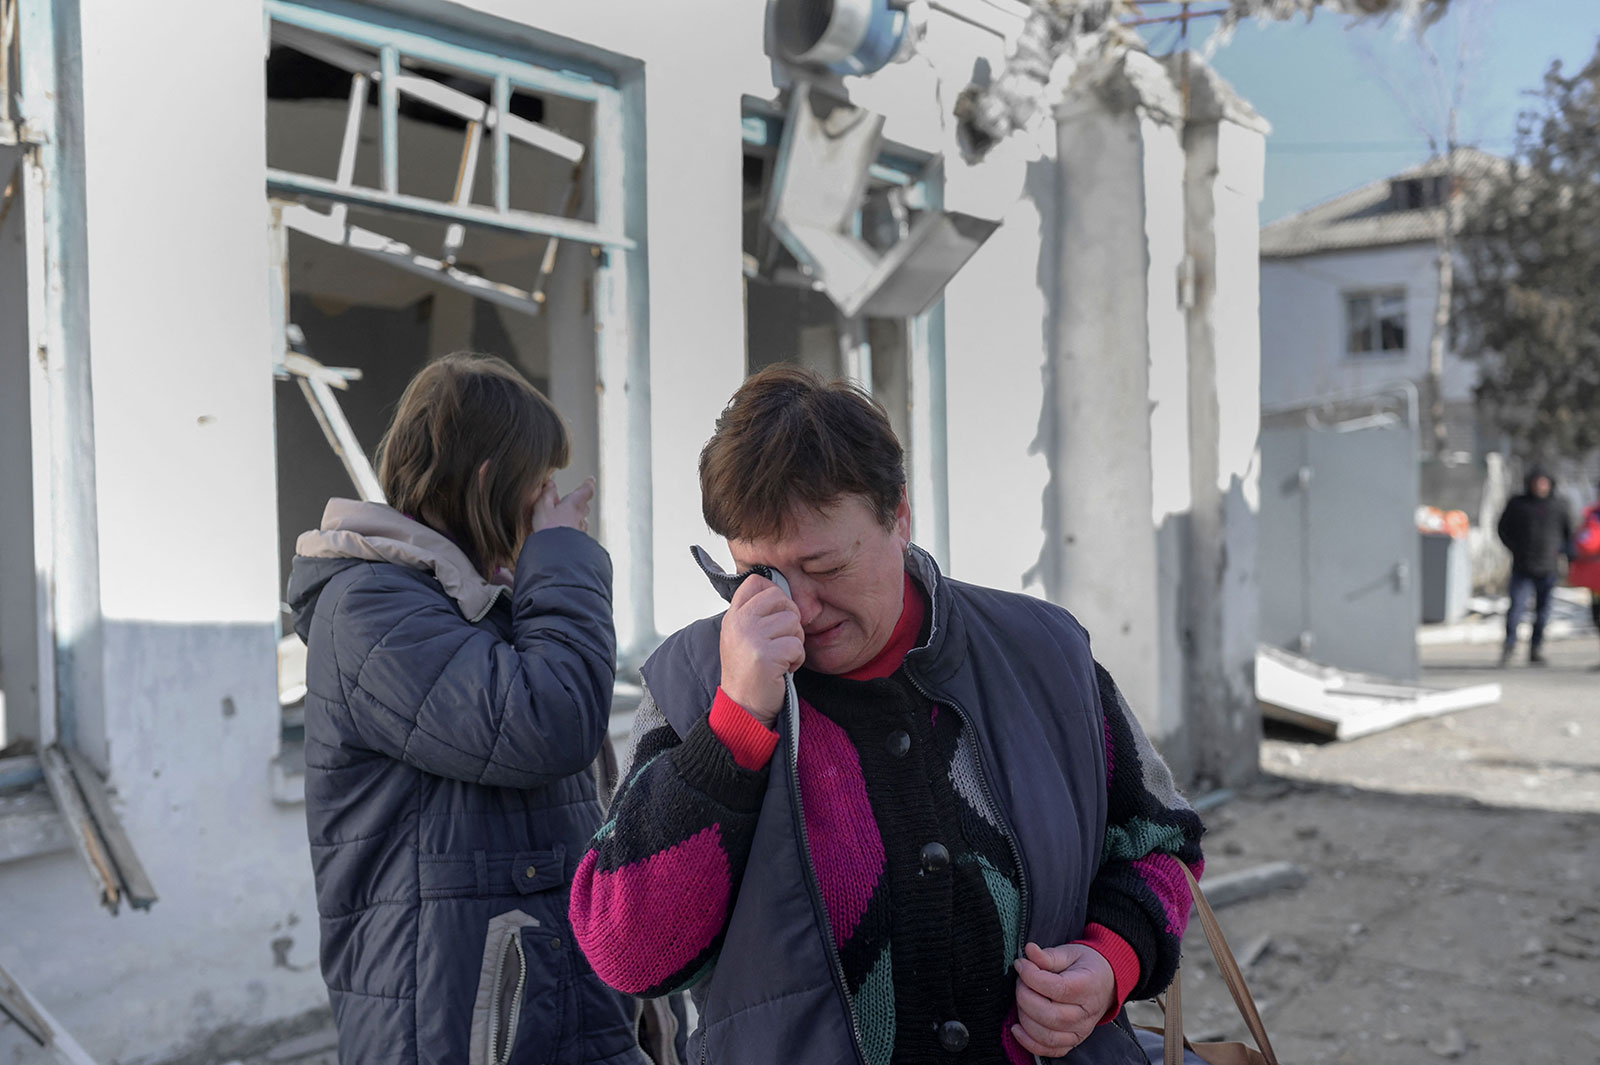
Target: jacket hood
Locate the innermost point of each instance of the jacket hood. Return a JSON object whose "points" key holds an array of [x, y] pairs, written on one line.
{"points": [[353, 532], [307, 578], [1534, 473]]}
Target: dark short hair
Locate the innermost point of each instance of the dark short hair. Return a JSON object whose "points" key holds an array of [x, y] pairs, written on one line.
{"points": [[789, 438], [458, 412]]}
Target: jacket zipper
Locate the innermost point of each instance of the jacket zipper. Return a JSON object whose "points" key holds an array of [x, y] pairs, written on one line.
{"points": [[999, 814], [988, 796], [500, 1052], [812, 883], [983, 779]]}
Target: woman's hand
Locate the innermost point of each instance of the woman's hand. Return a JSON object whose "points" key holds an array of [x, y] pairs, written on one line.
{"points": [[1062, 994], [761, 641], [549, 510]]}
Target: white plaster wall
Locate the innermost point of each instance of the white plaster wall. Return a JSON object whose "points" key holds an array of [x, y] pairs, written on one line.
{"points": [[1238, 369], [176, 263], [997, 323], [1303, 344], [1171, 497]]}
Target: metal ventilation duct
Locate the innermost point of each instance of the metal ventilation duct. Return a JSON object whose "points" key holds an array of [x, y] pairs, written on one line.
{"points": [[844, 36]]}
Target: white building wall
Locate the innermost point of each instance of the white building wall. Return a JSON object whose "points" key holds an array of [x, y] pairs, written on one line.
{"points": [[175, 268], [184, 449], [1171, 495], [996, 400], [1304, 350]]}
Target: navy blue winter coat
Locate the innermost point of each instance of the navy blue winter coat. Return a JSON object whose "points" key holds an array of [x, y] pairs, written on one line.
{"points": [[449, 741]]}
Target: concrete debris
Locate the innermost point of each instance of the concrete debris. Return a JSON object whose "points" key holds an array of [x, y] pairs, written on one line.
{"points": [[1212, 799], [1254, 951], [1346, 705], [1249, 883], [1451, 1044], [304, 1046]]}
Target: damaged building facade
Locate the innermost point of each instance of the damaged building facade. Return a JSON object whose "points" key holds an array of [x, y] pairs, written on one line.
{"points": [[233, 231]]}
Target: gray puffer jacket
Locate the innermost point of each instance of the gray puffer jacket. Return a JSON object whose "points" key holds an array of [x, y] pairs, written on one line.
{"points": [[450, 728]]}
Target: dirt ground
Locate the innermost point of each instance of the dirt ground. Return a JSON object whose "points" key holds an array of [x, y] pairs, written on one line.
{"points": [[1451, 907]]}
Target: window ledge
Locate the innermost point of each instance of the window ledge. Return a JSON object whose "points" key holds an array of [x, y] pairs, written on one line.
{"points": [[30, 824], [288, 775]]}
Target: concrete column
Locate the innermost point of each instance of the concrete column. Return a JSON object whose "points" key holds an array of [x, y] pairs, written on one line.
{"points": [[1116, 372], [1226, 144]]}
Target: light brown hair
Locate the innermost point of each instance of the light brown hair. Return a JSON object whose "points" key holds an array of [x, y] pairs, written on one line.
{"points": [[461, 411], [789, 438]]}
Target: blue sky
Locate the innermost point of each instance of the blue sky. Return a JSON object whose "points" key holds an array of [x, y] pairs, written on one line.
{"points": [[1345, 102]]}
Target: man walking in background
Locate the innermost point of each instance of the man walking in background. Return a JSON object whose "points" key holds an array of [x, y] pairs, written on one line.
{"points": [[1537, 529]]}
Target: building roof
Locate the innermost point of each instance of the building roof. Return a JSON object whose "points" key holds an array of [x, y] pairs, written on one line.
{"points": [[1372, 216]]}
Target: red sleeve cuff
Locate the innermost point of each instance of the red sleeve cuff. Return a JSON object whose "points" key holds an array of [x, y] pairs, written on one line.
{"points": [[751, 742], [1124, 963]]}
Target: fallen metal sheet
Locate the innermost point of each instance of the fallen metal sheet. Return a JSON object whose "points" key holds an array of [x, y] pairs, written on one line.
{"points": [[25, 1011], [815, 207], [1345, 705]]}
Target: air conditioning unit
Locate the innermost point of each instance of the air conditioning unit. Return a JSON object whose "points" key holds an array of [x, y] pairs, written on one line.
{"points": [[847, 36]]}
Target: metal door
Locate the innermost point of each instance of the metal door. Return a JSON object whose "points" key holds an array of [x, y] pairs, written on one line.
{"points": [[1339, 552]]}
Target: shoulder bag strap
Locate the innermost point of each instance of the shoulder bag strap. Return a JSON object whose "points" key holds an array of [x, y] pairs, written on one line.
{"points": [[1231, 975]]}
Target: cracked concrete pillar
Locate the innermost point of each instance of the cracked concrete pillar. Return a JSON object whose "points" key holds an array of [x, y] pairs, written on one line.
{"points": [[1225, 141], [1119, 457]]}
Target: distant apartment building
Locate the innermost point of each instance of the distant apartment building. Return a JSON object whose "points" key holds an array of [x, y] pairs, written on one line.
{"points": [[1348, 294]]}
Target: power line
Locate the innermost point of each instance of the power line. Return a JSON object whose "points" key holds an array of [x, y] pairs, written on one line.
{"points": [[1358, 147]]}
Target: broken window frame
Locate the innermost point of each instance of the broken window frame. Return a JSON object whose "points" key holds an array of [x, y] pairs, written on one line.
{"points": [[374, 54], [612, 163]]}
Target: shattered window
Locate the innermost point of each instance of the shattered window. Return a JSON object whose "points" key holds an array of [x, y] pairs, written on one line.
{"points": [[430, 195], [1375, 322]]}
